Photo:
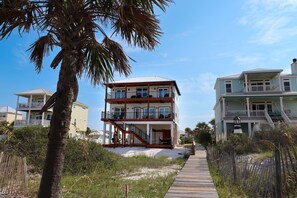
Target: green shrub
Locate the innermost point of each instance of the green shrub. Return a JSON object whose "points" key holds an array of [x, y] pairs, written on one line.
{"points": [[30, 142], [80, 156], [85, 156], [204, 138], [186, 140]]}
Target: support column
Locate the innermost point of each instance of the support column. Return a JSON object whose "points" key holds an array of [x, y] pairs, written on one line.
{"points": [[280, 83], [16, 111], [148, 131], [224, 107], [281, 103], [151, 135], [104, 132], [42, 117], [29, 112], [171, 133], [248, 107], [225, 131], [250, 129], [246, 82], [110, 128]]}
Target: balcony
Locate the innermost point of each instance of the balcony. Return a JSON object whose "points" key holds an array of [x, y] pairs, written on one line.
{"points": [[32, 122], [135, 95], [244, 113], [261, 89], [137, 116], [26, 106]]}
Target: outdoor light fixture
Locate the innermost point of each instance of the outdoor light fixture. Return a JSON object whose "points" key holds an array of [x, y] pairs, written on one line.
{"points": [[237, 124]]}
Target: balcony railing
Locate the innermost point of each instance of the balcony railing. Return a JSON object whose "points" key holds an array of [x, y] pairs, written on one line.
{"points": [[137, 116], [253, 113], [134, 94], [32, 122], [262, 88], [33, 105]]}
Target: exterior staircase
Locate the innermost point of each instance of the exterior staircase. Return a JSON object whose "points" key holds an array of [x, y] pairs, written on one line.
{"points": [[135, 131]]}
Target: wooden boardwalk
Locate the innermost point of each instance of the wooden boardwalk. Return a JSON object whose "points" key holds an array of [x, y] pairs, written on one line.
{"points": [[194, 179]]}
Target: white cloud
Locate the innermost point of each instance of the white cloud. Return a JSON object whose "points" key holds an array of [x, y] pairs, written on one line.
{"points": [[246, 60], [273, 20], [201, 83]]}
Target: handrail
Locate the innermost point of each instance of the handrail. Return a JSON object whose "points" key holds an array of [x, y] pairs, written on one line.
{"points": [[268, 118], [140, 133], [285, 117]]}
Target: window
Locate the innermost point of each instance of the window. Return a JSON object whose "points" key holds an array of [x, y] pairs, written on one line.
{"points": [[38, 117], [228, 86], [49, 117], [141, 92], [287, 86], [164, 112], [74, 123], [119, 112], [120, 93], [151, 113], [163, 92]]}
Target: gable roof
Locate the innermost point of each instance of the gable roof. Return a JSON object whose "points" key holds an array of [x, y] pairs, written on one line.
{"points": [[145, 79], [35, 92]]}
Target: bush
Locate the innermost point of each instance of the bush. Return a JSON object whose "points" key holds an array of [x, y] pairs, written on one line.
{"points": [[30, 142], [80, 156], [186, 140], [241, 143], [204, 138]]}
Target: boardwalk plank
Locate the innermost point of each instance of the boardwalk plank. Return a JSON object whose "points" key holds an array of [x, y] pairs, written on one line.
{"points": [[194, 179]]}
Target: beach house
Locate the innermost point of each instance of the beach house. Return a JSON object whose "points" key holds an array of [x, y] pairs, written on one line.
{"points": [[31, 102], [8, 114], [141, 111], [258, 97]]}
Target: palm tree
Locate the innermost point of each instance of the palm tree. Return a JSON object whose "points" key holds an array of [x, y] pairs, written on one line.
{"points": [[77, 29]]}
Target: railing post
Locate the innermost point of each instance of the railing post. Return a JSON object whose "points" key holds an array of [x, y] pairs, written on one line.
{"points": [[278, 176]]}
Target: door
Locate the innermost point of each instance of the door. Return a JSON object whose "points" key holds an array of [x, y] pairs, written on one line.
{"points": [[137, 113]]}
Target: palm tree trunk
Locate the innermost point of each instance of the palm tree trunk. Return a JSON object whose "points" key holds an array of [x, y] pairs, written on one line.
{"points": [[59, 127]]}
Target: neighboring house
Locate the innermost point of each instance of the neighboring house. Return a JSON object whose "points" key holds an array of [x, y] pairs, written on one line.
{"points": [[8, 114], [142, 111], [260, 97], [31, 102]]}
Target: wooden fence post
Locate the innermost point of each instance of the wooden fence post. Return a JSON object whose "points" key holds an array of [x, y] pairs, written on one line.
{"points": [[234, 166], [278, 176]]}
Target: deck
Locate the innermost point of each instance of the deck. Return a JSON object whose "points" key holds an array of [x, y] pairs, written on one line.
{"points": [[194, 179]]}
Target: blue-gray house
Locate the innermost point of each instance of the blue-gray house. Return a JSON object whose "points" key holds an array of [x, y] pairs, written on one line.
{"points": [[260, 97]]}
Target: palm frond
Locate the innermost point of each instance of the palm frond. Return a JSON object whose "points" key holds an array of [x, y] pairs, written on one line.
{"points": [[39, 49], [98, 63], [120, 59], [21, 14], [137, 27], [57, 60]]}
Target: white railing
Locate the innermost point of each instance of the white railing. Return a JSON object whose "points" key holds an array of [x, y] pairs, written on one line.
{"points": [[32, 122], [236, 113], [291, 114], [33, 105], [257, 113], [285, 117], [262, 88], [268, 118], [253, 113]]}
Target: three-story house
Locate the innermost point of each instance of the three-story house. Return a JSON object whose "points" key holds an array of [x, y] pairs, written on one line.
{"points": [[141, 111]]}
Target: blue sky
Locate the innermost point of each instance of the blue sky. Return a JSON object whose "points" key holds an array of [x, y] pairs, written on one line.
{"points": [[202, 40]]}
